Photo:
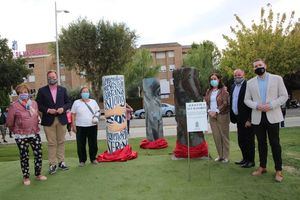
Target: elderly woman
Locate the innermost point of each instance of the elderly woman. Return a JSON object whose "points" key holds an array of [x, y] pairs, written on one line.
{"points": [[217, 99], [85, 112], [23, 121]]}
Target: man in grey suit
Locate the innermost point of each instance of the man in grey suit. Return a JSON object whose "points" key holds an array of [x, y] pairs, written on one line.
{"points": [[265, 93]]}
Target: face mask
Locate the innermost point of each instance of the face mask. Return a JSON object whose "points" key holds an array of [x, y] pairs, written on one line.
{"points": [[23, 96], [214, 83], [52, 81], [238, 80], [260, 71], [85, 95]]}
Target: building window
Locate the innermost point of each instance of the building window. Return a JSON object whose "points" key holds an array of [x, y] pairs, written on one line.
{"points": [[31, 78], [32, 91], [164, 96], [170, 54], [82, 74], [30, 65], [160, 55], [171, 81], [63, 78], [172, 68], [163, 68], [164, 87]]}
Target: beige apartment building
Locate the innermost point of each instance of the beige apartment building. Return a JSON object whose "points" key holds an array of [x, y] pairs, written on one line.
{"points": [[169, 56], [40, 59]]}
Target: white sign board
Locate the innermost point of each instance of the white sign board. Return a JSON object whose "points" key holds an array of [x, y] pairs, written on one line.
{"points": [[196, 116]]}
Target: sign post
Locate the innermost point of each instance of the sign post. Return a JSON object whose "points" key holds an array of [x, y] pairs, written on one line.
{"points": [[196, 118]]}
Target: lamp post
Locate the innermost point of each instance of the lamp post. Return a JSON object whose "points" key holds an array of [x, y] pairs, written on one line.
{"points": [[56, 37]]}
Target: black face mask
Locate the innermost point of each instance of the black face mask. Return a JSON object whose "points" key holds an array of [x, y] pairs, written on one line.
{"points": [[260, 71]]}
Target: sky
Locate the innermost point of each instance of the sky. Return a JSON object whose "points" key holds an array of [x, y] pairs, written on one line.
{"points": [[154, 21]]}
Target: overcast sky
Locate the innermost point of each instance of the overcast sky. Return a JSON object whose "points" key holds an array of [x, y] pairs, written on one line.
{"points": [[155, 21]]}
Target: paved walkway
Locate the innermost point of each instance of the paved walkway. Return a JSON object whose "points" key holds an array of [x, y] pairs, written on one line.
{"points": [[138, 131]]}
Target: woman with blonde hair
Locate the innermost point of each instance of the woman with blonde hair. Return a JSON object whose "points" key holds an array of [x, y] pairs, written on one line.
{"points": [[22, 120]]}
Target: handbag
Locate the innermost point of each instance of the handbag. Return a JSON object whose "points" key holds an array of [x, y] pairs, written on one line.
{"points": [[95, 118]]}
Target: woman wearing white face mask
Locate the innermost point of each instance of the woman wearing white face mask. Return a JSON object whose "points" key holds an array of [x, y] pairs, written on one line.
{"points": [[23, 121], [85, 126], [217, 99]]}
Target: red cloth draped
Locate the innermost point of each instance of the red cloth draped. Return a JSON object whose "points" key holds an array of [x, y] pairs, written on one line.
{"points": [[181, 150], [120, 155], [157, 144]]}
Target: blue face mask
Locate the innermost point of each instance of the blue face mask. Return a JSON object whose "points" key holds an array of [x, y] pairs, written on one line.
{"points": [[214, 83], [23, 96], [85, 95]]}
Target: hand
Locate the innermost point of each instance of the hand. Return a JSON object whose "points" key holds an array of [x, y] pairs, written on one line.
{"points": [[247, 124], [51, 111], [260, 107], [60, 110], [212, 114], [73, 128], [266, 107]]}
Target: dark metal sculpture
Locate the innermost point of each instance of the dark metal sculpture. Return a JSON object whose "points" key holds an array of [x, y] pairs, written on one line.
{"points": [[153, 113], [187, 89]]}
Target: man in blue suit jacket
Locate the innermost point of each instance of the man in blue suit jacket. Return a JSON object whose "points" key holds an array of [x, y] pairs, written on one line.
{"points": [[53, 102]]}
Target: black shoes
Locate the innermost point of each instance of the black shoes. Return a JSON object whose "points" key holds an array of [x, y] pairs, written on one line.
{"points": [[63, 166], [240, 162], [52, 169], [248, 165]]}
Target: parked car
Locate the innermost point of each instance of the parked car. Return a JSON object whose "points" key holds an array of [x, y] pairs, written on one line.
{"points": [[168, 110]]}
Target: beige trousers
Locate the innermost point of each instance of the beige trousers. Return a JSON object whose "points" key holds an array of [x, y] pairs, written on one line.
{"points": [[220, 131], [55, 135]]}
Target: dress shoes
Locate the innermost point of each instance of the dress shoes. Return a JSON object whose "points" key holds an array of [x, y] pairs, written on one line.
{"points": [[240, 162], [248, 165], [278, 176], [259, 171]]}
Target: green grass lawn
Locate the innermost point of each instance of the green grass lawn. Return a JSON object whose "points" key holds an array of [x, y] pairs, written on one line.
{"points": [[153, 175]]}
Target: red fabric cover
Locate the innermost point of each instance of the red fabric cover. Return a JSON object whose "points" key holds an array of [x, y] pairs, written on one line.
{"points": [[157, 144], [120, 155], [181, 150]]}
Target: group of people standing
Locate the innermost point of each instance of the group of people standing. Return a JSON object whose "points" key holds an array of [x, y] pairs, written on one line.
{"points": [[50, 106], [255, 106]]}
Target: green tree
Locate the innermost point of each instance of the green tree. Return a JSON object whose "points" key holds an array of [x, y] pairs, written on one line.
{"points": [[205, 57], [12, 71], [139, 68], [96, 50], [277, 42]]}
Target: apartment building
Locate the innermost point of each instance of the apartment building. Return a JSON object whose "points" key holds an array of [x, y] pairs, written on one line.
{"points": [[40, 59], [169, 56]]}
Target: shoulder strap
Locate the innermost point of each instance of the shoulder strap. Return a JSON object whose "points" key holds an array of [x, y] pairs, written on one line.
{"points": [[89, 107]]}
